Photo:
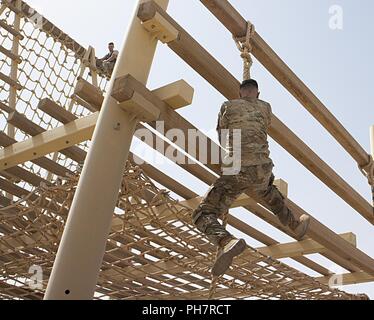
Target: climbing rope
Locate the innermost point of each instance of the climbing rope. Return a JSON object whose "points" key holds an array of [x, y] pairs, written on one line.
{"points": [[245, 47]]}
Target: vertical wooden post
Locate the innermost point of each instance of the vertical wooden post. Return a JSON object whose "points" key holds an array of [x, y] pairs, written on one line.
{"points": [[14, 68], [79, 257]]}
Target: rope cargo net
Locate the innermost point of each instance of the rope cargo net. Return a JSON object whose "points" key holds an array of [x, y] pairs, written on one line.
{"points": [[153, 250], [49, 69]]}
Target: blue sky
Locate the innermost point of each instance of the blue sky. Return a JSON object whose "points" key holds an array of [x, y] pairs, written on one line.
{"points": [[336, 64]]}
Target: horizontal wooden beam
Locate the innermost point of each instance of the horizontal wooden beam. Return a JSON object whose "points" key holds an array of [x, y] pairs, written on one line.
{"points": [[210, 69], [10, 81], [43, 162], [10, 55], [11, 30], [300, 248], [20, 121], [237, 25], [176, 95], [48, 142]]}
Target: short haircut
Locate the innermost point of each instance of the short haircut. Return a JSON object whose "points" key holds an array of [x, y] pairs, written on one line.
{"points": [[111, 43], [249, 84]]}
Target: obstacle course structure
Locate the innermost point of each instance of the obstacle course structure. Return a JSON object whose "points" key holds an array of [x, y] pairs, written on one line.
{"points": [[131, 240]]}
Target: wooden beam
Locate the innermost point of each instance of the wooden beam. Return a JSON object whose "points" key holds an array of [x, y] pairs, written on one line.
{"points": [[237, 25], [26, 176], [10, 29], [132, 101], [176, 95], [300, 248], [43, 162], [89, 93], [31, 128], [10, 55], [15, 190], [5, 108], [161, 29], [10, 81], [282, 187], [210, 69], [48, 142], [56, 111]]}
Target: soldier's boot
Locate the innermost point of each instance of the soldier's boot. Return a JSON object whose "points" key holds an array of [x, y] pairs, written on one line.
{"points": [[298, 225], [229, 248]]}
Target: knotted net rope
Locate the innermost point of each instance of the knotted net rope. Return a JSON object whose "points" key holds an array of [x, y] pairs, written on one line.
{"points": [[153, 250]]}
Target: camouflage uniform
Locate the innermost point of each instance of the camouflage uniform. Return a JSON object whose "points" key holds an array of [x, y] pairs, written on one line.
{"points": [[106, 66], [253, 117]]}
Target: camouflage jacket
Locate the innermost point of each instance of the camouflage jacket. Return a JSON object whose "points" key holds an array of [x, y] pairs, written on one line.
{"points": [[253, 117]]}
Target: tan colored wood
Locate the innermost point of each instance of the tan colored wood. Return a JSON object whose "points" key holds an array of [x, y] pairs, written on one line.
{"points": [[132, 101], [177, 94], [48, 142], [31, 128], [26, 176], [11, 30], [10, 81], [10, 55], [83, 103], [199, 59], [12, 7], [5, 108], [160, 28], [300, 248], [89, 93], [282, 187], [14, 189], [43, 162], [56, 111]]}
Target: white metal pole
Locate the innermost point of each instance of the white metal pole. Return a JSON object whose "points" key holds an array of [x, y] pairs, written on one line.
{"points": [[79, 257]]}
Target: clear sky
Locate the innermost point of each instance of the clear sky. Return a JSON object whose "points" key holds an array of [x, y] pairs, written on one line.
{"points": [[336, 64]]}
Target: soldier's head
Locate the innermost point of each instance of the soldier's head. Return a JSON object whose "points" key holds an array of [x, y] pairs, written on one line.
{"points": [[111, 46], [249, 89]]}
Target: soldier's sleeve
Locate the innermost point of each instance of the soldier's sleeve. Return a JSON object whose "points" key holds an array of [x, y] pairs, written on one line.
{"points": [[270, 112], [221, 121]]}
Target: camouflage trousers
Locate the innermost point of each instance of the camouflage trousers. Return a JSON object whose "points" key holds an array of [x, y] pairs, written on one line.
{"points": [[256, 180], [107, 67]]}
